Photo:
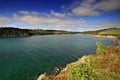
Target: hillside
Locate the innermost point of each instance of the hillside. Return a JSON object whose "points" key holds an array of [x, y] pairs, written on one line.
{"points": [[114, 32], [16, 32], [105, 32], [105, 65], [111, 32]]}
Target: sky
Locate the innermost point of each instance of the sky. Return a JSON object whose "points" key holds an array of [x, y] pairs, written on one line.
{"points": [[70, 15]]}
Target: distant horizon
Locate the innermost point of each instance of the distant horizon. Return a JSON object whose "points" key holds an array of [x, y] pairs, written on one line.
{"points": [[68, 15], [56, 29]]}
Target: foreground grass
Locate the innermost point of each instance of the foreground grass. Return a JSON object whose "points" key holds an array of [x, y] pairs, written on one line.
{"points": [[93, 67]]}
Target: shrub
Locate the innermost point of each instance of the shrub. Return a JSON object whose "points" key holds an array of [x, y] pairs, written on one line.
{"points": [[83, 72], [100, 48]]}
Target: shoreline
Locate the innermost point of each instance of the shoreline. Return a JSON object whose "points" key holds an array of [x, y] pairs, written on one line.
{"points": [[89, 60], [67, 68], [72, 64], [104, 36]]}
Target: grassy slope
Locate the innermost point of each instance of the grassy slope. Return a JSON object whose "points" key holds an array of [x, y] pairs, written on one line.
{"points": [[110, 31], [93, 67]]}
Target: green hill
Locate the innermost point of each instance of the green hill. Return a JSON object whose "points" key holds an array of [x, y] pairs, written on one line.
{"points": [[114, 31], [105, 32]]}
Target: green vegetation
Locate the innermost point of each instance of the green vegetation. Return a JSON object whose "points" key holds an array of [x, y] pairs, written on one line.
{"points": [[114, 31], [15, 32], [100, 48], [93, 67], [83, 72], [46, 32], [105, 32]]}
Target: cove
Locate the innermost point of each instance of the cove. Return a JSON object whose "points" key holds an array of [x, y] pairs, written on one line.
{"points": [[24, 58]]}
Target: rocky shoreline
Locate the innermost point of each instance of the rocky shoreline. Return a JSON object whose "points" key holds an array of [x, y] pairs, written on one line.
{"points": [[93, 61]]}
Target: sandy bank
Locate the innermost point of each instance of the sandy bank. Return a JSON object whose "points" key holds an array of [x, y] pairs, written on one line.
{"points": [[104, 36]]}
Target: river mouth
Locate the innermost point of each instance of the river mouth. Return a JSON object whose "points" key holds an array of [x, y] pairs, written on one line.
{"points": [[26, 58]]}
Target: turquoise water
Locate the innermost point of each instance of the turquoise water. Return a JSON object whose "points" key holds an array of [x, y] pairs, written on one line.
{"points": [[24, 58]]}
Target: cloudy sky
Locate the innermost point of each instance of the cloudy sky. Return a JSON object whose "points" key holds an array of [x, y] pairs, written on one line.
{"points": [[72, 15]]}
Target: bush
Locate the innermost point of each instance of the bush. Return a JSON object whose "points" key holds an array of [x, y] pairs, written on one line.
{"points": [[83, 72], [101, 49]]}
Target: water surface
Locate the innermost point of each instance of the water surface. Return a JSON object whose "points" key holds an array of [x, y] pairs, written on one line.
{"points": [[24, 58]]}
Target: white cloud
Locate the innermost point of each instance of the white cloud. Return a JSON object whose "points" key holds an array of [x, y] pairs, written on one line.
{"points": [[56, 14], [33, 19], [108, 5], [107, 24], [23, 12], [85, 11], [4, 20], [102, 25], [37, 21], [94, 8]]}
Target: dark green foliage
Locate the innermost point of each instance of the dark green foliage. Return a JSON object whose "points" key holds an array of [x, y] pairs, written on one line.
{"points": [[83, 72], [100, 48], [13, 32]]}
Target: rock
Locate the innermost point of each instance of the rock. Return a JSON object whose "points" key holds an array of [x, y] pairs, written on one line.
{"points": [[57, 70], [41, 76]]}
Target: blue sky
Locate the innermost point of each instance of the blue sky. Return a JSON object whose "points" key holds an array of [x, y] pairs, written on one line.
{"points": [[72, 15]]}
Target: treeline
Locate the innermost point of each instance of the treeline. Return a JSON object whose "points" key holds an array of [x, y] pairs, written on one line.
{"points": [[15, 32]]}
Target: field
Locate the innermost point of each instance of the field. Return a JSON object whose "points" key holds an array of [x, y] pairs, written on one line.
{"points": [[105, 32], [110, 32]]}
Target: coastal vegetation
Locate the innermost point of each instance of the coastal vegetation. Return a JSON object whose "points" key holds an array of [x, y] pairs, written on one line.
{"points": [[93, 67], [105, 32], [100, 48], [13, 32], [16, 32]]}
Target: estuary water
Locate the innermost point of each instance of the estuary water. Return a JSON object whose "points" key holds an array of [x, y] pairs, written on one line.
{"points": [[25, 58]]}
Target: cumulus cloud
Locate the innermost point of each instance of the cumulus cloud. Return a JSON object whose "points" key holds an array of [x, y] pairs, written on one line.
{"points": [[4, 20], [33, 19], [107, 24], [56, 14], [108, 5], [85, 11], [102, 25], [94, 8]]}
